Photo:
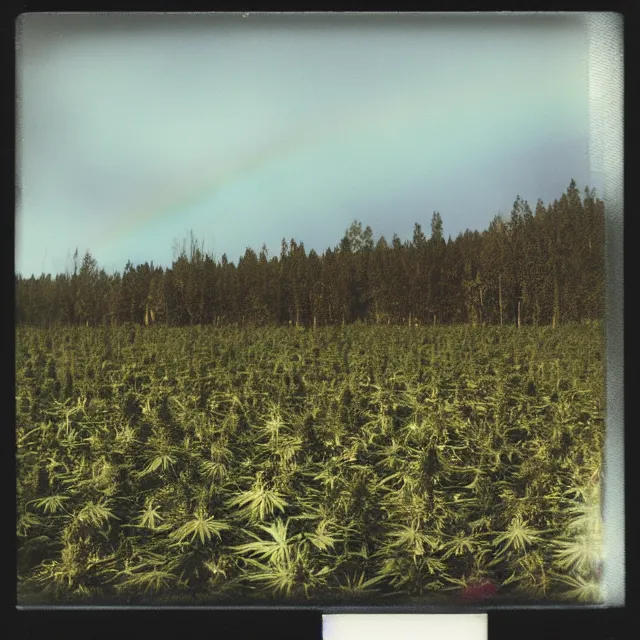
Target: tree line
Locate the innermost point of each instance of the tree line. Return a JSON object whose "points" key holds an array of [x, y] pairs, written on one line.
{"points": [[537, 267]]}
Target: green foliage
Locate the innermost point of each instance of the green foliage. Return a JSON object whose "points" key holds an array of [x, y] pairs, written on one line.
{"points": [[258, 502], [201, 526], [334, 465], [536, 268]]}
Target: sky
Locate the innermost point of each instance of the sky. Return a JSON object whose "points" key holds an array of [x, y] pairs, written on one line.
{"points": [[134, 131]]}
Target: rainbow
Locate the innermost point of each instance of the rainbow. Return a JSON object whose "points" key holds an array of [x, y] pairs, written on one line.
{"points": [[400, 117], [175, 197]]}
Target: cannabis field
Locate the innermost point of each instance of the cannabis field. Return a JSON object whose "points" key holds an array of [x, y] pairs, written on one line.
{"points": [[355, 464]]}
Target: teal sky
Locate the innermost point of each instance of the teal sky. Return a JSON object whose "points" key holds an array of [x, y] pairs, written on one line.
{"points": [[135, 130]]}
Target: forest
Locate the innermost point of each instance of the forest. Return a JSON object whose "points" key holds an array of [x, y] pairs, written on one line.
{"points": [[534, 267], [350, 427]]}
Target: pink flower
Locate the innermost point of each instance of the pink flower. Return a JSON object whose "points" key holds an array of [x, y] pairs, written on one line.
{"points": [[479, 590]]}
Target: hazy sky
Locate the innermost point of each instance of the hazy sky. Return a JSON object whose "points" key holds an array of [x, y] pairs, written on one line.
{"points": [[134, 130]]}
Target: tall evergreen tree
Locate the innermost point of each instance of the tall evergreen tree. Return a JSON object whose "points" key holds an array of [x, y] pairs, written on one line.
{"points": [[542, 267]]}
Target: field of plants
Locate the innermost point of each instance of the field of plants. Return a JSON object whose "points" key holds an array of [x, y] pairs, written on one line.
{"points": [[355, 464]]}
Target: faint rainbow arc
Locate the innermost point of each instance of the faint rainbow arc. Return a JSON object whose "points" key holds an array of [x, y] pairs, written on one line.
{"points": [[179, 196], [167, 202]]}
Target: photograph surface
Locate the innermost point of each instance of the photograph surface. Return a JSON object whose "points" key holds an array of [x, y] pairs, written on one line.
{"points": [[310, 310]]}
